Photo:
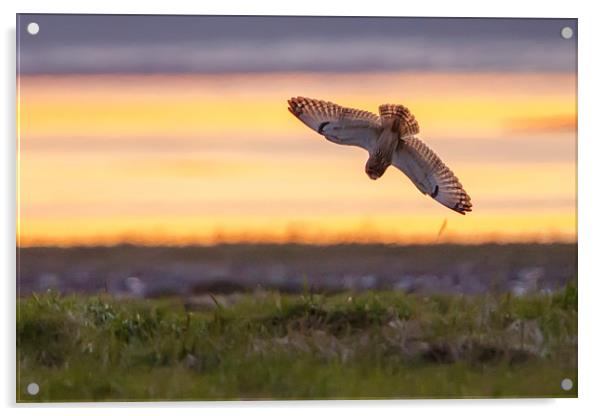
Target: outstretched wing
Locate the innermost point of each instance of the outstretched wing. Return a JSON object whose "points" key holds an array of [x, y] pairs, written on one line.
{"points": [[430, 175], [338, 124]]}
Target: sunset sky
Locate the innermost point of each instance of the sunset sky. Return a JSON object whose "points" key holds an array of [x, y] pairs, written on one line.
{"points": [[175, 129]]}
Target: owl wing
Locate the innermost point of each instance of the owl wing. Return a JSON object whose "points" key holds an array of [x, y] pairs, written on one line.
{"points": [[338, 124], [430, 175]]}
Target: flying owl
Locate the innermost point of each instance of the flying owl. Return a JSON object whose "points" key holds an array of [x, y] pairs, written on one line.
{"points": [[390, 140]]}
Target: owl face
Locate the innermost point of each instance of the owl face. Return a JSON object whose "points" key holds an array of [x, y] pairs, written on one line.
{"points": [[376, 167]]}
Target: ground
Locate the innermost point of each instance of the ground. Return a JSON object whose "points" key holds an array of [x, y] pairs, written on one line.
{"points": [[268, 345]]}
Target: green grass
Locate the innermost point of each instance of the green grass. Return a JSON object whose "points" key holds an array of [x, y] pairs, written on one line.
{"points": [[268, 345]]}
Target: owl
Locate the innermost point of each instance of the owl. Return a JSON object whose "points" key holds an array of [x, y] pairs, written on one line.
{"points": [[390, 139]]}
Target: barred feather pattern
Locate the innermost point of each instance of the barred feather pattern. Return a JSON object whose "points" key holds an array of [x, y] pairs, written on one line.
{"points": [[338, 124], [408, 126], [430, 175], [326, 110]]}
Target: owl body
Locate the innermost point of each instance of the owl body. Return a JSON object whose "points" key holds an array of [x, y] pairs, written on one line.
{"points": [[381, 155]]}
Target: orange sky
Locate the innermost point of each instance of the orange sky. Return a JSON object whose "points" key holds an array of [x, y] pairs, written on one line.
{"points": [[181, 159]]}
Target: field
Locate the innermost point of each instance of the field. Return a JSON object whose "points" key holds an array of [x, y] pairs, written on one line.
{"points": [[264, 344], [141, 271]]}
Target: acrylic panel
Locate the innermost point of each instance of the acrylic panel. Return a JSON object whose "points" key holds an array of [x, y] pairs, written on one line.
{"points": [[254, 207]]}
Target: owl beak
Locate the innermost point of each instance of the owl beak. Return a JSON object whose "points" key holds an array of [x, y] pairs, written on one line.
{"points": [[372, 174]]}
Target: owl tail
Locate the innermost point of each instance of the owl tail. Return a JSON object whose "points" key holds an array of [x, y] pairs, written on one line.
{"points": [[402, 120]]}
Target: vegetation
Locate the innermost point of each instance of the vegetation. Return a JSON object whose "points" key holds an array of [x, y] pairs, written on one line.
{"points": [[267, 345]]}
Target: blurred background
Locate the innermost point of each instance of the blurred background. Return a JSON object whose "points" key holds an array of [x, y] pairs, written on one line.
{"points": [[166, 131]]}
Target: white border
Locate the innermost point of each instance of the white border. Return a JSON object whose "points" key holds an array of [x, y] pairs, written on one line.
{"points": [[588, 171]]}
